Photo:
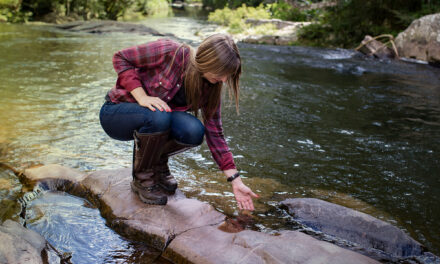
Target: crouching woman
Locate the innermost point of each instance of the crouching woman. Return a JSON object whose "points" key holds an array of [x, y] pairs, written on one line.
{"points": [[159, 85]]}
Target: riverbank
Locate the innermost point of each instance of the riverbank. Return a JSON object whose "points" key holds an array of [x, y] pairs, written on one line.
{"points": [[407, 46]]}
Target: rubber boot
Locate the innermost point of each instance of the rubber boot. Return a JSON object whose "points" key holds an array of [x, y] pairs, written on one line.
{"points": [[162, 171], [146, 153]]}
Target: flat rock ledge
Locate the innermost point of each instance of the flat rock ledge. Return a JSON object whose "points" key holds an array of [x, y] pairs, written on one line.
{"points": [[186, 230], [107, 26]]}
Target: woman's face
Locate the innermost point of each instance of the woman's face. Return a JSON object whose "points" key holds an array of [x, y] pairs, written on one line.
{"points": [[214, 78]]}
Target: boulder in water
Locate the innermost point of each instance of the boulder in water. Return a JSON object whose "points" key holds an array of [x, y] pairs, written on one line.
{"points": [[421, 40], [354, 226]]}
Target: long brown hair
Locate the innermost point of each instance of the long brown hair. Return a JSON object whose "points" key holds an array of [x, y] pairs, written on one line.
{"points": [[219, 55]]}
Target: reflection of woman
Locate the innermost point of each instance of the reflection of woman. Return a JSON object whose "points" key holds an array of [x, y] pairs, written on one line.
{"points": [[157, 83]]}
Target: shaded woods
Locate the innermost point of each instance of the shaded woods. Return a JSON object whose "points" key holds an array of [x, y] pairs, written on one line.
{"points": [[346, 24], [28, 10], [341, 23]]}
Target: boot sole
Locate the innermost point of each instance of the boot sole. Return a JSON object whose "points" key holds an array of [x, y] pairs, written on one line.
{"points": [[162, 201]]}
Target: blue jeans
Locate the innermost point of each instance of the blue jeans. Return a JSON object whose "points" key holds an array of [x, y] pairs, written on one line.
{"points": [[120, 121]]}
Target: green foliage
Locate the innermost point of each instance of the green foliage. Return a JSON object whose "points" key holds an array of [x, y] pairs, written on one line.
{"points": [[346, 24], [21, 10], [214, 4], [284, 11], [116, 8], [236, 19], [157, 8], [238, 3], [10, 12], [265, 29], [12, 4], [226, 16], [217, 4], [150, 8]]}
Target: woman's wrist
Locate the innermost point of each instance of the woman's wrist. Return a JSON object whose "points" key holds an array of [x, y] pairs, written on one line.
{"points": [[232, 175]]}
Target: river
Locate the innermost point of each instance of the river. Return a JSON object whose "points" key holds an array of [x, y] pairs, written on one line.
{"points": [[324, 123]]}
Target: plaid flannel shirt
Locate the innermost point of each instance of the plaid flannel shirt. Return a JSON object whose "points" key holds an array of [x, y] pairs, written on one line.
{"points": [[149, 66]]}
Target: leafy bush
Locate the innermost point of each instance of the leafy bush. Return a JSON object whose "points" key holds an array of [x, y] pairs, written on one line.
{"points": [[221, 16], [9, 3], [10, 11], [236, 19], [265, 29], [216, 4], [285, 11], [157, 8], [226, 16]]}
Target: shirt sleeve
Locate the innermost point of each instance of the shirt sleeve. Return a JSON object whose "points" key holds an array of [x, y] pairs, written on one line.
{"points": [[126, 61], [217, 143]]}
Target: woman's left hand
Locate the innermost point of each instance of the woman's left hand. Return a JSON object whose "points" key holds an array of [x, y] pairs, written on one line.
{"points": [[243, 195]]}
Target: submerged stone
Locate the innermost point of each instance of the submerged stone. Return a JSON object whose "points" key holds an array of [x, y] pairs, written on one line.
{"points": [[354, 226]]}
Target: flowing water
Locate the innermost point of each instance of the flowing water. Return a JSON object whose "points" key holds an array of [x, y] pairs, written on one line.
{"points": [[322, 123]]}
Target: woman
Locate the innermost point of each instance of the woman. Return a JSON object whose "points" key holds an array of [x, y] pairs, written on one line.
{"points": [[157, 84]]}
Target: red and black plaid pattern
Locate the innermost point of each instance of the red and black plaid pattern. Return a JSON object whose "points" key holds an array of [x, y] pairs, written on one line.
{"points": [[149, 66]]}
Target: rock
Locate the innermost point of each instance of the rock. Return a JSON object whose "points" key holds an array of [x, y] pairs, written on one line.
{"points": [[110, 191], [421, 40], [56, 177], [157, 223], [286, 33], [54, 172], [372, 47], [279, 24], [354, 226], [99, 27], [187, 230], [210, 245], [20, 245]]}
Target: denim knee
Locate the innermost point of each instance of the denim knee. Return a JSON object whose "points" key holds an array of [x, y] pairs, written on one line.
{"points": [[157, 121], [187, 129]]}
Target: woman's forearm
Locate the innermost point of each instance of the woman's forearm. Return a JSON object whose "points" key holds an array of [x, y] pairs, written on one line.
{"points": [[230, 172], [139, 94]]}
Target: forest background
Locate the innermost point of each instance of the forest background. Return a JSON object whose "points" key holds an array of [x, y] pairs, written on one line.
{"points": [[336, 23]]}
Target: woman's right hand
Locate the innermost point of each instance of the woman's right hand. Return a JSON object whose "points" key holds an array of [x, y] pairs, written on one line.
{"points": [[149, 101], [154, 103]]}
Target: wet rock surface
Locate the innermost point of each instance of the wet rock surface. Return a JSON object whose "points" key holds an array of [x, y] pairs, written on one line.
{"points": [[21, 245], [99, 27], [210, 245], [421, 40], [354, 226], [187, 230]]}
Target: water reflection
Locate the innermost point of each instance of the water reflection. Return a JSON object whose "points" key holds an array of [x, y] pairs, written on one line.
{"points": [[74, 226]]}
